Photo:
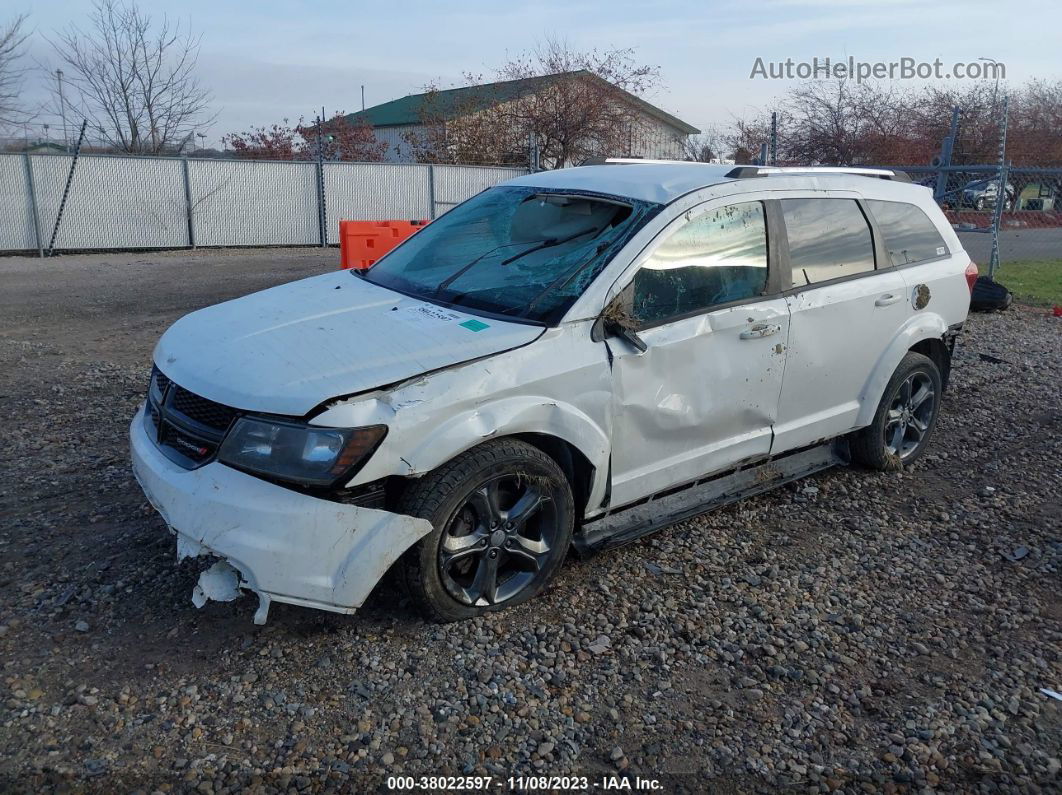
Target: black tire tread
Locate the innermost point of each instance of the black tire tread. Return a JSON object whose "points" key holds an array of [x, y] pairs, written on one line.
{"points": [[426, 496], [866, 445]]}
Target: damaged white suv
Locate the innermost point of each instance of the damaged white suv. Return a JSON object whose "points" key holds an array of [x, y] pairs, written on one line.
{"points": [[570, 359]]}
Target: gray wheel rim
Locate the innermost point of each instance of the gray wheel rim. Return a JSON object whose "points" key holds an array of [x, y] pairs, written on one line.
{"points": [[499, 541], [910, 415]]}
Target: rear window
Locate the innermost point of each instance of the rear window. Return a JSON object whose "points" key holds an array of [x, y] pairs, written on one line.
{"points": [[828, 239], [908, 233]]}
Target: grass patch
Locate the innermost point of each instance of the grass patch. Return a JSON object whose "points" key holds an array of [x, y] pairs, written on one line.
{"points": [[1033, 281]]}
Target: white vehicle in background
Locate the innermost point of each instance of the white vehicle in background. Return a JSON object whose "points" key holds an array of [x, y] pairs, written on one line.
{"points": [[570, 359]]}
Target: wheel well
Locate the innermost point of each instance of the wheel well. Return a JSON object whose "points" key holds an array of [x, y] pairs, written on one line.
{"points": [[939, 352], [576, 466]]}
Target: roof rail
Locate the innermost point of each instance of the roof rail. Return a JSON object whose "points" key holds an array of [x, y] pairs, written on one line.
{"points": [[611, 161], [744, 172]]}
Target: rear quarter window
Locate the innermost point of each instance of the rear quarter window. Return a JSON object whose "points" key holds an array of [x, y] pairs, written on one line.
{"points": [[908, 233]]}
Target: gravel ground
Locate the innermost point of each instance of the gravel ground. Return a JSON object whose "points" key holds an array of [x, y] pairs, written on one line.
{"points": [[857, 632]]}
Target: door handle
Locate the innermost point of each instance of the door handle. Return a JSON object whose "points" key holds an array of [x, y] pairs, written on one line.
{"points": [[888, 300], [760, 330]]}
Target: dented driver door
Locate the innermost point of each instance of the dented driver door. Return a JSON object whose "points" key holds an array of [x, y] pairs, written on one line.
{"points": [[703, 395]]}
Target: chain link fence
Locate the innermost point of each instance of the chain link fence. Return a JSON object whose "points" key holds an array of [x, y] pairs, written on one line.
{"points": [[121, 202], [1023, 222]]}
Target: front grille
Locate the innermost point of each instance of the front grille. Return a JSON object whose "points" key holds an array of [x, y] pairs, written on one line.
{"points": [[159, 380], [187, 428], [205, 412], [192, 447]]}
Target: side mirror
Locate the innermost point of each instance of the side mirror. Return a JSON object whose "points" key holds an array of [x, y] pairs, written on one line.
{"points": [[616, 321]]}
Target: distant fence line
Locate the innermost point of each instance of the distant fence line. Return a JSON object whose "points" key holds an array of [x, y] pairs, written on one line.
{"points": [[119, 202]]}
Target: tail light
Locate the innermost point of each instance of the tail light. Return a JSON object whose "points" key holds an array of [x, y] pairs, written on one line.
{"points": [[971, 275]]}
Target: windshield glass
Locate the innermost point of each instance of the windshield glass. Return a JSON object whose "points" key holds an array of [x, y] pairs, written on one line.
{"points": [[516, 251]]}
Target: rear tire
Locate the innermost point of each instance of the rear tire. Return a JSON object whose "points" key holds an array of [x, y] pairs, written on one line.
{"points": [[503, 516], [905, 420]]}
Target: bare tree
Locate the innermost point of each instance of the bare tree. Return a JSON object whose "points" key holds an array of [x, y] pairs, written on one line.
{"points": [[575, 105], [134, 79], [703, 147], [747, 135], [12, 39]]}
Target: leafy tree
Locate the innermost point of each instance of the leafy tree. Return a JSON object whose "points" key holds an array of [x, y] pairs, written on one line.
{"points": [[339, 139]]}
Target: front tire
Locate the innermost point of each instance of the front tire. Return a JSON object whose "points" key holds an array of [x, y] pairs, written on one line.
{"points": [[503, 516], [906, 417]]}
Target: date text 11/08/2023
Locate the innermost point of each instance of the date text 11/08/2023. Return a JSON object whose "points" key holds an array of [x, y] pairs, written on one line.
{"points": [[540, 783]]}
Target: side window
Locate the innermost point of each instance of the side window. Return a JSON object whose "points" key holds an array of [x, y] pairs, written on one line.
{"points": [[908, 233], [828, 239], [715, 258]]}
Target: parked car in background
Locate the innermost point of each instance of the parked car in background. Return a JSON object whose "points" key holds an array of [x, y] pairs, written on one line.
{"points": [[574, 358], [981, 195]]}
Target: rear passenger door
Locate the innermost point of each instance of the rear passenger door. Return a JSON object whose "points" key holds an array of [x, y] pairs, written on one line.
{"points": [[932, 267], [846, 305]]}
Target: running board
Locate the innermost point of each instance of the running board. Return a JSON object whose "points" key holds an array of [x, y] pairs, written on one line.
{"points": [[629, 524]]}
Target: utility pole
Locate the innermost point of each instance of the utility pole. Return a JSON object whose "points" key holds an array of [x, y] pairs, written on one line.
{"points": [[62, 109], [363, 97], [995, 68]]}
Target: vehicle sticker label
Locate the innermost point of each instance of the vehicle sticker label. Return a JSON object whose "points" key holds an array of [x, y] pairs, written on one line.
{"points": [[426, 313], [429, 317], [941, 251]]}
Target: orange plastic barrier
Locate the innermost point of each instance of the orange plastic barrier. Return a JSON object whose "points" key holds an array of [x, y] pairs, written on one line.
{"points": [[361, 243]]}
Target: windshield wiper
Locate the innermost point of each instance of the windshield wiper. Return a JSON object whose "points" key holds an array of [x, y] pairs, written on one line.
{"points": [[564, 278], [537, 245], [465, 268], [548, 243]]}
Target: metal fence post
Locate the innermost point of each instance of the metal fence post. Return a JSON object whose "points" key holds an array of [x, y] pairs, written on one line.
{"points": [[189, 210], [322, 212], [33, 204], [1001, 196], [66, 190], [773, 157], [431, 192], [946, 150]]}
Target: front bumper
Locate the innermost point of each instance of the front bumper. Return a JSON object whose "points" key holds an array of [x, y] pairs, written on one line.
{"points": [[285, 546]]}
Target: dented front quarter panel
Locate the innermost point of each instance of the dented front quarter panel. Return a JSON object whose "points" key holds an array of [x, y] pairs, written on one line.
{"points": [[289, 547], [559, 386]]}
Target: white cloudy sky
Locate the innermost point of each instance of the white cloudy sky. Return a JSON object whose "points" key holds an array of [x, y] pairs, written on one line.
{"points": [[271, 59]]}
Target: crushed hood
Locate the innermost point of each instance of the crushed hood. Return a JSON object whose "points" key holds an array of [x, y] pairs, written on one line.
{"points": [[286, 349]]}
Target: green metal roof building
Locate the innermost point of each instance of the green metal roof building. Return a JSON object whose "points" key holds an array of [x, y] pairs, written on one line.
{"points": [[393, 121]]}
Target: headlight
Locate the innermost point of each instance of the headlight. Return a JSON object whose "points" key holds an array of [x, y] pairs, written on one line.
{"points": [[301, 453]]}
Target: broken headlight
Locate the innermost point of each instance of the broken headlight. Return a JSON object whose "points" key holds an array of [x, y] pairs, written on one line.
{"points": [[303, 454]]}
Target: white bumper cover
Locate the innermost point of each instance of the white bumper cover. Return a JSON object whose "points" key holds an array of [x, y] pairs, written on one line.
{"points": [[286, 546]]}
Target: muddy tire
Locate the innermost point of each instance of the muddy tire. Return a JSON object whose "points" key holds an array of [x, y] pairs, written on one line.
{"points": [[502, 515], [905, 420]]}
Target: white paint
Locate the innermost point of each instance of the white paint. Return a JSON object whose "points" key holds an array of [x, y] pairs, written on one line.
{"points": [[649, 181], [220, 583], [700, 399], [706, 395], [288, 546], [287, 349]]}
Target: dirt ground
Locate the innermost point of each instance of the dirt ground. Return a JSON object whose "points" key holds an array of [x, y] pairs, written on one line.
{"points": [[857, 632]]}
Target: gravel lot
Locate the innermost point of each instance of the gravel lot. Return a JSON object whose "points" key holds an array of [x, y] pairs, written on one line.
{"points": [[858, 632]]}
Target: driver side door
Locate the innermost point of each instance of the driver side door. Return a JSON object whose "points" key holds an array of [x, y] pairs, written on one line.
{"points": [[703, 396]]}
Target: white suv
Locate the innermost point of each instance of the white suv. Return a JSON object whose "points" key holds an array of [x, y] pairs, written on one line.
{"points": [[570, 359]]}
